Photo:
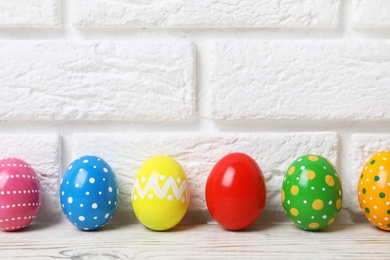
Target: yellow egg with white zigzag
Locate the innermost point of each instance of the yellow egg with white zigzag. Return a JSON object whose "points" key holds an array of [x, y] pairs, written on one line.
{"points": [[161, 193]]}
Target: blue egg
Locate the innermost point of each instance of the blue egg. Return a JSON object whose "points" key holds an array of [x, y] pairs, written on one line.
{"points": [[89, 193]]}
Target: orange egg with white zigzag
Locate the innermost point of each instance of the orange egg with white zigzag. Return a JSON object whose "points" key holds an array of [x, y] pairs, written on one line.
{"points": [[161, 193]]}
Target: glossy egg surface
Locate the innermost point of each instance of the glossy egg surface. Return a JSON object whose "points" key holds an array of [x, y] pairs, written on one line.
{"points": [[20, 194], [89, 193], [235, 191], [161, 193], [312, 192], [374, 190]]}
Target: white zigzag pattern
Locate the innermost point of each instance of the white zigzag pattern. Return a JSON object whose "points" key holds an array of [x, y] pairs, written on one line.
{"points": [[162, 193]]}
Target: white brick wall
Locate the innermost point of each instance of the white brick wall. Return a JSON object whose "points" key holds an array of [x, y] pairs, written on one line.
{"points": [[206, 13], [127, 80], [371, 13], [300, 79], [29, 13]]}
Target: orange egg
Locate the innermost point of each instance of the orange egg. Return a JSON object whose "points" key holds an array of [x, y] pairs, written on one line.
{"points": [[374, 190]]}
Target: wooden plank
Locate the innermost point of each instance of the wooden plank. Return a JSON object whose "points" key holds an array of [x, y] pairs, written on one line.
{"points": [[133, 241]]}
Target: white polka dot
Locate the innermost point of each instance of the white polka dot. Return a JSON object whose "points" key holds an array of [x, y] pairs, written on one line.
{"points": [[105, 170], [77, 185], [305, 201], [70, 167], [86, 228], [312, 217], [373, 187], [95, 217], [381, 167], [85, 161], [183, 199], [100, 193], [162, 177], [324, 216], [170, 197], [312, 188], [87, 193], [110, 189], [135, 197], [94, 167], [150, 196], [330, 202], [94, 205], [63, 205], [288, 202], [303, 167], [70, 200], [143, 179], [107, 215], [81, 218], [70, 213], [91, 180], [81, 205], [104, 179]]}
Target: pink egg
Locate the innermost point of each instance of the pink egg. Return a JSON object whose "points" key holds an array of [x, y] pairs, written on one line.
{"points": [[20, 194]]}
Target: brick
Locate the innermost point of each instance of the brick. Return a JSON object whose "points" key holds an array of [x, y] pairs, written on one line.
{"points": [[198, 153], [140, 81], [340, 80], [371, 13], [205, 13], [29, 13], [42, 152], [363, 147]]}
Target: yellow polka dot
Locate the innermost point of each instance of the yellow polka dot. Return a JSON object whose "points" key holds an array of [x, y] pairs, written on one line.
{"points": [[294, 190], [283, 196], [294, 212], [318, 204], [330, 221], [291, 170], [314, 225], [338, 204], [311, 175], [313, 158], [329, 180]]}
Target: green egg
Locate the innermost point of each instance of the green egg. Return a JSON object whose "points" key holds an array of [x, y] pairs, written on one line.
{"points": [[312, 192]]}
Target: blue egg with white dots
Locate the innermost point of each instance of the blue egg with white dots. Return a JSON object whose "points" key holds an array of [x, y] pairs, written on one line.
{"points": [[89, 193]]}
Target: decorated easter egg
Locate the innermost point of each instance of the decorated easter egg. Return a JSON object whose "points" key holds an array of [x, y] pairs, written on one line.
{"points": [[20, 194], [161, 193], [89, 193], [312, 192], [374, 190], [235, 191]]}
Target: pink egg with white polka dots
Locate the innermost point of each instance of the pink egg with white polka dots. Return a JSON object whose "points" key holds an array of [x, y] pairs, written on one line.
{"points": [[20, 194]]}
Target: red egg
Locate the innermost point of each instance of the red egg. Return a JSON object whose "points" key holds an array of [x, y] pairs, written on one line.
{"points": [[235, 191], [20, 194]]}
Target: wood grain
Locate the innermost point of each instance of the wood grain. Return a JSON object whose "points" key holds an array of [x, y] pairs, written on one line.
{"points": [[63, 241]]}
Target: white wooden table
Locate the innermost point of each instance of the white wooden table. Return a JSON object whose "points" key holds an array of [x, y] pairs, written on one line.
{"points": [[133, 241]]}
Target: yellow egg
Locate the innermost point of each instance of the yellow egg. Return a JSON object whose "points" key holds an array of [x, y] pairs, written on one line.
{"points": [[161, 193], [374, 190]]}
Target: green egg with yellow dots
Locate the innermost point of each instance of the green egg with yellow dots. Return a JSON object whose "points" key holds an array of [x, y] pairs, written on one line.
{"points": [[312, 192]]}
